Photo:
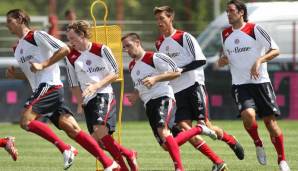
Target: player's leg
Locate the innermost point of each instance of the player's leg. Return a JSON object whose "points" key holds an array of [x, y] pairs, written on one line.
{"points": [[243, 96], [172, 147], [199, 144], [200, 107], [67, 123], [187, 112], [268, 111], [227, 138], [250, 124], [42, 102], [160, 113], [182, 137], [101, 118], [277, 140], [8, 144]]}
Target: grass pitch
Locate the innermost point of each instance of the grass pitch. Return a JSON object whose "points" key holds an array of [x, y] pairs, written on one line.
{"points": [[35, 154]]}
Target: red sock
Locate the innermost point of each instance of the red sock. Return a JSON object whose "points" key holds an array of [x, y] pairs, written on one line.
{"points": [[206, 150], [253, 132], [126, 152], [3, 142], [229, 139], [46, 132], [278, 143], [184, 136], [174, 151], [87, 142], [113, 148]]}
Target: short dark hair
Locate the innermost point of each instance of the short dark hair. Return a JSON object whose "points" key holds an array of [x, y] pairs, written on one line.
{"points": [[19, 14], [132, 36], [169, 11], [80, 27], [69, 11], [240, 6]]}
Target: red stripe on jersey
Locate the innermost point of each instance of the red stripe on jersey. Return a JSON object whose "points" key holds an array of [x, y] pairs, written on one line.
{"points": [[148, 58], [159, 41], [30, 38], [131, 65], [226, 33], [249, 30], [73, 56], [96, 49], [178, 37]]}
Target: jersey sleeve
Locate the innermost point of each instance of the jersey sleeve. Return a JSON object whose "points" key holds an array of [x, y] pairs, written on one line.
{"points": [[109, 59], [71, 74], [44, 39], [193, 47], [264, 38], [164, 63]]}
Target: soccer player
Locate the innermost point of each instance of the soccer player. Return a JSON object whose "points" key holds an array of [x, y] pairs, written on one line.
{"points": [[247, 49], [47, 98], [150, 73], [93, 67], [189, 88], [8, 143]]}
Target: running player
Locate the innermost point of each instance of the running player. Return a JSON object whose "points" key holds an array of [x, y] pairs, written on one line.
{"points": [[248, 48], [150, 73], [47, 98], [189, 88], [93, 67], [8, 143]]}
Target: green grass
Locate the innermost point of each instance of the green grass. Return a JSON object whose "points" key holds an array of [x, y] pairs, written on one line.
{"points": [[36, 154]]}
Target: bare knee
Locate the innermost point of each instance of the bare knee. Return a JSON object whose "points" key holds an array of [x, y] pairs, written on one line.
{"points": [[249, 117], [26, 117], [272, 126], [68, 124]]}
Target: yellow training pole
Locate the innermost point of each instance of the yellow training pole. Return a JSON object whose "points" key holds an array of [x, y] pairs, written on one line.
{"points": [[102, 34]]}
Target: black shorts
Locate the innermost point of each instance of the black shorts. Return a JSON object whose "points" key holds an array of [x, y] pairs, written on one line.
{"points": [[48, 100], [101, 110], [260, 97], [191, 104], [160, 113]]}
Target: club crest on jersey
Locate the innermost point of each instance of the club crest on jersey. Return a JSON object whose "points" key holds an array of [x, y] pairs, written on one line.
{"points": [[167, 48], [138, 72], [88, 62], [21, 51], [236, 41]]}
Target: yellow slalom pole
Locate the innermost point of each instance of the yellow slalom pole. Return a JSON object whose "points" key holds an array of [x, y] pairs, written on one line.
{"points": [[101, 34]]}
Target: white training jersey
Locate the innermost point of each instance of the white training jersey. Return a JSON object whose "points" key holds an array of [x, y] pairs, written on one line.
{"points": [[38, 46], [91, 66], [152, 64], [183, 48], [242, 47]]}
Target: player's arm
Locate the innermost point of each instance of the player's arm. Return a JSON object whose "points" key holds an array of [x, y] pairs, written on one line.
{"points": [[167, 68], [112, 67], [57, 56], [223, 59], [133, 96], [47, 41], [272, 49], [13, 73], [193, 47]]}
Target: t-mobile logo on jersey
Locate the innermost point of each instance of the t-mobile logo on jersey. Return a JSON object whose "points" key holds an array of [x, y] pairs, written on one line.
{"points": [[173, 55], [140, 80], [238, 50], [24, 59], [94, 69]]}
